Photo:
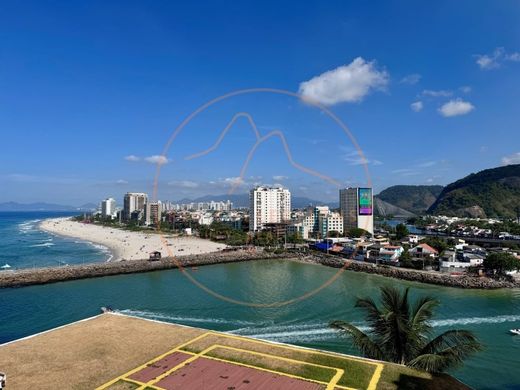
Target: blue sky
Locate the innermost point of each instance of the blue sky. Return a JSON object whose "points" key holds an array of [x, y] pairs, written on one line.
{"points": [[87, 87]]}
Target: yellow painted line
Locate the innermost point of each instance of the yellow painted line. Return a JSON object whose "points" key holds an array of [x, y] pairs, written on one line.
{"points": [[110, 383], [330, 385], [171, 370], [140, 383], [375, 378], [265, 369], [373, 381]]}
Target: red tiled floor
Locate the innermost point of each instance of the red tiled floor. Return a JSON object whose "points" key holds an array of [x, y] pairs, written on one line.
{"points": [[207, 374], [159, 367]]}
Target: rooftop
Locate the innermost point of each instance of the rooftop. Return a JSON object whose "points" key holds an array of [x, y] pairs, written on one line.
{"points": [[113, 351]]}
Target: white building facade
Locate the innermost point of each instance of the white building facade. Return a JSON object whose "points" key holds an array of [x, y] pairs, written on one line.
{"points": [[134, 201], [268, 205], [108, 208]]}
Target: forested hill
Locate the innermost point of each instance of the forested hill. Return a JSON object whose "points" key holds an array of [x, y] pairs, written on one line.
{"points": [[489, 193], [415, 199]]}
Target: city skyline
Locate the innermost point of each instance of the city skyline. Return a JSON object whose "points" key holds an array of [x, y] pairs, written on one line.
{"points": [[119, 92]]}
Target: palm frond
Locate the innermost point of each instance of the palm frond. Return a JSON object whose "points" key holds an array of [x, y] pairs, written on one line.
{"points": [[446, 351], [360, 339]]}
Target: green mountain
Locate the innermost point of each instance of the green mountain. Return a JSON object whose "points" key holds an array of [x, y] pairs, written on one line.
{"points": [[415, 199], [490, 193]]}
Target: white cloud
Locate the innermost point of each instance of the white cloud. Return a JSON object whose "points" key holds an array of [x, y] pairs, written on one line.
{"points": [[511, 159], [280, 178], [430, 180], [347, 83], [132, 158], [184, 184], [417, 106], [490, 61], [427, 164], [121, 181], [156, 159], [495, 59], [515, 57], [465, 89], [456, 107], [439, 93], [411, 79], [353, 157]]}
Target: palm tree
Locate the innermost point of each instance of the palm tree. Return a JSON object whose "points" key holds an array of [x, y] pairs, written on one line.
{"points": [[399, 332]]}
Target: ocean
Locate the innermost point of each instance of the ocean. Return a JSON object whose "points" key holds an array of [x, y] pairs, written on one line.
{"points": [[23, 245]]}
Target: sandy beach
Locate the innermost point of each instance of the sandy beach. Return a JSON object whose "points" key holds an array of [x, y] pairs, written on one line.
{"points": [[128, 245]]}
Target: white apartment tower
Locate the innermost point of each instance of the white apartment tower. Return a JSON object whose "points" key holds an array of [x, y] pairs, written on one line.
{"points": [[268, 205], [108, 207], [152, 213], [134, 201], [357, 208]]}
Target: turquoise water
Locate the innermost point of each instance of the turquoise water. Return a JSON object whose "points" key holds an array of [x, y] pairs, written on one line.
{"points": [[170, 296], [23, 245]]}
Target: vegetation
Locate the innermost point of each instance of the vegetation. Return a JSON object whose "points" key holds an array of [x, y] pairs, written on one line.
{"points": [[490, 193], [400, 331], [357, 232], [501, 262], [219, 231], [416, 199], [401, 231], [436, 243]]}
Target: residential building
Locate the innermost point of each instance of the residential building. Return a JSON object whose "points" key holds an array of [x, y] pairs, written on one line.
{"points": [[134, 201], [423, 250], [390, 253], [152, 213], [268, 205], [108, 208], [356, 207]]}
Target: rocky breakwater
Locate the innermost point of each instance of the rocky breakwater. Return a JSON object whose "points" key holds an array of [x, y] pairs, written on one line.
{"points": [[430, 277], [27, 277]]}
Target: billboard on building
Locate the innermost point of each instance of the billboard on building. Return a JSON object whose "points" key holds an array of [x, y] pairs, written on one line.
{"points": [[365, 201]]}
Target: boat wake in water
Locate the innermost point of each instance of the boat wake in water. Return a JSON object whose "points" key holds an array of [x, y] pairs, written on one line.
{"points": [[297, 333]]}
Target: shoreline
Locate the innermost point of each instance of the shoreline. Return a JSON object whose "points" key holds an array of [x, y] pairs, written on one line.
{"points": [[125, 244], [39, 276]]}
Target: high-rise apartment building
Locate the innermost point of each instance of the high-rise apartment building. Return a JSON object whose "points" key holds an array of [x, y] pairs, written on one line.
{"points": [[268, 205], [108, 207], [357, 208], [134, 201], [152, 213]]}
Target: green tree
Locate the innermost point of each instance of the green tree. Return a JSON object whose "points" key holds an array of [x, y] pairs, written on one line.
{"points": [[401, 231], [501, 262], [357, 232], [400, 332], [334, 234], [295, 238]]}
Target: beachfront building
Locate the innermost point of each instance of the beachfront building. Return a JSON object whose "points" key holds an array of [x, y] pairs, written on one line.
{"points": [[268, 205], [357, 211], [134, 201], [108, 208], [152, 213]]}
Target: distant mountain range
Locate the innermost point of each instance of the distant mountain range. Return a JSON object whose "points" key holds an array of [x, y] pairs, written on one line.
{"points": [[242, 200], [492, 192], [42, 206]]}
